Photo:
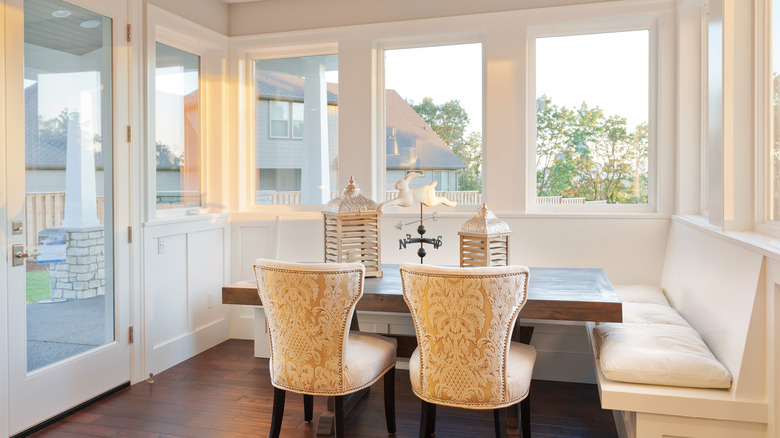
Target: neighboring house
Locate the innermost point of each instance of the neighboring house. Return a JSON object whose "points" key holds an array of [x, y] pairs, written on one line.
{"points": [[411, 145]]}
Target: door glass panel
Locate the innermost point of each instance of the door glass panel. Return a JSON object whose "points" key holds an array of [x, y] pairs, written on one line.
{"points": [[68, 145], [177, 112]]}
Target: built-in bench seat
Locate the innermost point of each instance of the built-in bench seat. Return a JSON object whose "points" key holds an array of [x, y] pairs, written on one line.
{"points": [[710, 302]]}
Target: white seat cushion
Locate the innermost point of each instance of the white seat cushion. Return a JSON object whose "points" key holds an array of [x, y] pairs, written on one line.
{"points": [[520, 367], [368, 357], [641, 293], [644, 313], [658, 354]]}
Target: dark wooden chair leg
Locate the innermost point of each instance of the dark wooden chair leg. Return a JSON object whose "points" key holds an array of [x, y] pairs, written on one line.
{"points": [[499, 417], [339, 416], [308, 407], [428, 419], [390, 400], [525, 416], [278, 413]]}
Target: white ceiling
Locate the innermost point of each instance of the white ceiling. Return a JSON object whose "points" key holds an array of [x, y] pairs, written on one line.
{"points": [[239, 1]]}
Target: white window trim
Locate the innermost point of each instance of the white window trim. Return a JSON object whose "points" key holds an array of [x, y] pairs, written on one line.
{"points": [[421, 41], [763, 80], [172, 30], [246, 58], [654, 132]]}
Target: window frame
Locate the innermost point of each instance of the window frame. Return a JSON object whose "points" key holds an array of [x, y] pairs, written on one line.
{"points": [[764, 128], [415, 42], [650, 25], [173, 31], [247, 133]]}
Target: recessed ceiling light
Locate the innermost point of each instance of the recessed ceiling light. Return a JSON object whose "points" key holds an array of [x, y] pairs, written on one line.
{"points": [[61, 14], [89, 24]]}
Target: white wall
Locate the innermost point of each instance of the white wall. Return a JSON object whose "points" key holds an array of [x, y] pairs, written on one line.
{"points": [[185, 265], [270, 16], [212, 14]]}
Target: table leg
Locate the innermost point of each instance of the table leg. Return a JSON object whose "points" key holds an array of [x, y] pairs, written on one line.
{"points": [[523, 335], [327, 419]]}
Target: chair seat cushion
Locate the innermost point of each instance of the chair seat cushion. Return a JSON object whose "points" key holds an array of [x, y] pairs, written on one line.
{"points": [[520, 367], [641, 293], [645, 313], [658, 354], [368, 357]]}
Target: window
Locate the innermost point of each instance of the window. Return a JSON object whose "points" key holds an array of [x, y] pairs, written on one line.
{"points": [[177, 134], [286, 119], [433, 119], [296, 114], [774, 90], [592, 112]]}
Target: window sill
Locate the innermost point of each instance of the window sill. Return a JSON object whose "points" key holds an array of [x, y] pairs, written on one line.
{"points": [[214, 217], [764, 244]]}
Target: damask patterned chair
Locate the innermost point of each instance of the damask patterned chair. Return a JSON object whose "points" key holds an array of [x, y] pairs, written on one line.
{"points": [[464, 319], [308, 308]]}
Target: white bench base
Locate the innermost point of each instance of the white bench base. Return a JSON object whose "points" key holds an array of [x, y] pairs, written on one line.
{"points": [[650, 411]]}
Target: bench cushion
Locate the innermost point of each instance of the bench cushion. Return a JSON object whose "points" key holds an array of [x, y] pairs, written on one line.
{"points": [[645, 313], [641, 293], [658, 354]]}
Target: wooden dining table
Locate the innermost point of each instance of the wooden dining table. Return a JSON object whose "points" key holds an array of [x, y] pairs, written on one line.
{"points": [[560, 294]]}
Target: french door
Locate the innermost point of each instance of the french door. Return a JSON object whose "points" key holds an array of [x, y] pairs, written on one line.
{"points": [[68, 199]]}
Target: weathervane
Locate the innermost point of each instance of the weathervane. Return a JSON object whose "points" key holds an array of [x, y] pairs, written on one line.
{"points": [[425, 195]]}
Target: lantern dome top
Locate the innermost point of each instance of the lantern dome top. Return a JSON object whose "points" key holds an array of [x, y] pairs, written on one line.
{"points": [[351, 201], [485, 222]]}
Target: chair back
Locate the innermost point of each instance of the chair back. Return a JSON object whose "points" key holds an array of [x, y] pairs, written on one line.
{"points": [[464, 319], [308, 309]]}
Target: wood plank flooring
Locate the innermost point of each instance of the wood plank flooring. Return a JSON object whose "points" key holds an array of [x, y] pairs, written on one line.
{"points": [[226, 392]]}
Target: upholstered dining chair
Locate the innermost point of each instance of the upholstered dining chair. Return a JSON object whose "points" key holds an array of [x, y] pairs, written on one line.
{"points": [[464, 319], [308, 309]]}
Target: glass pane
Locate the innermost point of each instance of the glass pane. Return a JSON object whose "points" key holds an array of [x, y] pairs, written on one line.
{"points": [[303, 155], [279, 128], [177, 113], [775, 159], [591, 118], [68, 150], [433, 119], [297, 116]]}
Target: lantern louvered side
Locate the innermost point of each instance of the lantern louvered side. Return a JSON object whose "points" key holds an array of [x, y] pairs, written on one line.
{"points": [[353, 238], [483, 250]]}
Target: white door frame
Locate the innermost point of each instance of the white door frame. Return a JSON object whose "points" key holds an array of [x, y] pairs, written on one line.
{"points": [[4, 231], [91, 366]]}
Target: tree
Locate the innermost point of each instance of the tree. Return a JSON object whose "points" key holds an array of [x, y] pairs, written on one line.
{"points": [[449, 121], [166, 159], [584, 153]]}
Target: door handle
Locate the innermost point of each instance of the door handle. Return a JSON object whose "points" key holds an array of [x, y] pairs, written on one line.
{"points": [[20, 254]]}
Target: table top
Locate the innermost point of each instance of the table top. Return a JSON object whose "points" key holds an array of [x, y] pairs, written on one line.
{"points": [[568, 294]]}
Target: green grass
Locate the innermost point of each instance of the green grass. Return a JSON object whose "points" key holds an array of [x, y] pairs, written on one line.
{"points": [[38, 287]]}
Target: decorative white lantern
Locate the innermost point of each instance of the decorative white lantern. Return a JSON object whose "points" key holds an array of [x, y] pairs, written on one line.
{"points": [[352, 230], [484, 240]]}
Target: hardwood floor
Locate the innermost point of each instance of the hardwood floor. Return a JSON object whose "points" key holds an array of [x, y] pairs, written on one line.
{"points": [[226, 392]]}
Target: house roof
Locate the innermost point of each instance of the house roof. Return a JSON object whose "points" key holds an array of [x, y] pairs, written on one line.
{"points": [[278, 86], [410, 142]]}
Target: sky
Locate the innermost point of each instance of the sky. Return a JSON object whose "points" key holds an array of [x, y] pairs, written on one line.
{"points": [[606, 70], [443, 73]]}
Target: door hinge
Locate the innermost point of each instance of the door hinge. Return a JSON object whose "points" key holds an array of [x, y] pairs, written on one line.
{"points": [[129, 234], [128, 33], [130, 335], [129, 134]]}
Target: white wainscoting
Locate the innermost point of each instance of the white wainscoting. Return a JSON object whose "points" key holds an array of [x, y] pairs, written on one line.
{"points": [[629, 249], [183, 279]]}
